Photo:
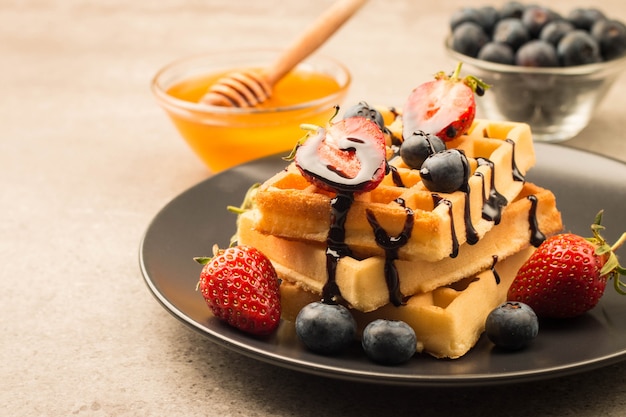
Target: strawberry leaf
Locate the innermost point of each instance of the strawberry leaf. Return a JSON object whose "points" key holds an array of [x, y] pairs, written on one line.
{"points": [[248, 201], [203, 260]]}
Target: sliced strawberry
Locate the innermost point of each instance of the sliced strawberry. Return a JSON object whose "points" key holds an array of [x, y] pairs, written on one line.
{"points": [[240, 286], [566, 276], [348, 155], [444, 107]]}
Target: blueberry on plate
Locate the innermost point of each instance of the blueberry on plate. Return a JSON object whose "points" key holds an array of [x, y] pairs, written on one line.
{"points": [[512, 325], [325, 328], [500, 53], [419, 146], [389, 342], [554, 31], [611, 37], [512, 32], [537, 53], [468, 38], [446, 171], [584, 18], [578, 48]]}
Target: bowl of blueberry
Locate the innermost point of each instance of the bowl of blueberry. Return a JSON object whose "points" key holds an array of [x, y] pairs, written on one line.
{"points": [[545, 68]]}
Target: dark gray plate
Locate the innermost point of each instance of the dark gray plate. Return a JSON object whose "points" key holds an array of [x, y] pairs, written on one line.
{"points": [[195, 220]]}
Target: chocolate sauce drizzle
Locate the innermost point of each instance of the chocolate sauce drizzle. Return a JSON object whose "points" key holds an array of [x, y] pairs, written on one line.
{"points": [[493, 269], [494, 202], [517, 175], [471, 236], [536, 235], [437, 199], [395, 176], [336, 247], [391, 245]]}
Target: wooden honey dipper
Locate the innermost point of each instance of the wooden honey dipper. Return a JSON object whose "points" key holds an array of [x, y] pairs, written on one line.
{"points": [[248, 88]]}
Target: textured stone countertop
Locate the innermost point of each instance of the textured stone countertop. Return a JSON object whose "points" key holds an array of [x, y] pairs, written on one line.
{"points": [[87, 159]]}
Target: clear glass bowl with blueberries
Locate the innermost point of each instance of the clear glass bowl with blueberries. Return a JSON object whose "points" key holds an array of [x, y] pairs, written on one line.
{"points": [[547, 69]]}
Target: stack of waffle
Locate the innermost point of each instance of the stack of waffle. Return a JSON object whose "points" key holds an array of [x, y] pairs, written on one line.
{"points": [[458, 261]]}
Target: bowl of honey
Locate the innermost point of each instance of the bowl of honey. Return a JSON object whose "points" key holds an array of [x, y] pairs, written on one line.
{"points": [[223, 137]]}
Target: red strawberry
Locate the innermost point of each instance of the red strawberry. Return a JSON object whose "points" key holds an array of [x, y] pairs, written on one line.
{"points": [[444, 107], [567, 274], [348, 155], [240, 286]]}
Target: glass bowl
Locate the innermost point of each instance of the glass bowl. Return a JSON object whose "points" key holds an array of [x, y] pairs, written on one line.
{"points": [[227, 136], [557, 103]]}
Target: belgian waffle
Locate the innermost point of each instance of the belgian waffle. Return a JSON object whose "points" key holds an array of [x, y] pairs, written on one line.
{"points": [[457, 262], [362, 281], [500, 153], [447, 321]]}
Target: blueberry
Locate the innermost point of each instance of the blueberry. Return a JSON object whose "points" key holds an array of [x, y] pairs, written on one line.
{"points": [[497, 52], [513, 9], [578, 48], [363, 109], [611, 36], [584, 18], [535, 18], [389, 342], [468, 38], [489, 17], [419, 146], [537, 53], [446, 171], [325, 328], [465, 14], [512, 32], [554, 31], [512, 325]]}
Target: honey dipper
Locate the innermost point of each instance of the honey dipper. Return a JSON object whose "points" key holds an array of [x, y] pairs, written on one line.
{"points": [[248, 88]]}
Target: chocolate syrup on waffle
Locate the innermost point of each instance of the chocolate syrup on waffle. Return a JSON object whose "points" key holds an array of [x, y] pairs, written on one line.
{"points": [[494, 201], [340, 206], [493, 269], [336, 248], [517, 175], [395, 176], [437, 199], [391, 245], [471, 236], [536, 235]]}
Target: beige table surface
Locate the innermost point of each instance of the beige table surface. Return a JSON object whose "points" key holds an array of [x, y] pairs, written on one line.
{"points": [[87, 159]]}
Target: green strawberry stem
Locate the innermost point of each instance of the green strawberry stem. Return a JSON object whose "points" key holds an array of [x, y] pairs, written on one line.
{"points": [[476, 84], [203, 260], [612, 269], [248, 200], [247, 204]]}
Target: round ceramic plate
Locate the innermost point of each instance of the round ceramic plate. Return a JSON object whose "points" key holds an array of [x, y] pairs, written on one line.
{"points": [[197, 219]]}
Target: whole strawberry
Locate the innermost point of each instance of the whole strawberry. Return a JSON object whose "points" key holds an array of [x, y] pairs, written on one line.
{"points": [[566, 276], [241, 287], [444, 107]]}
